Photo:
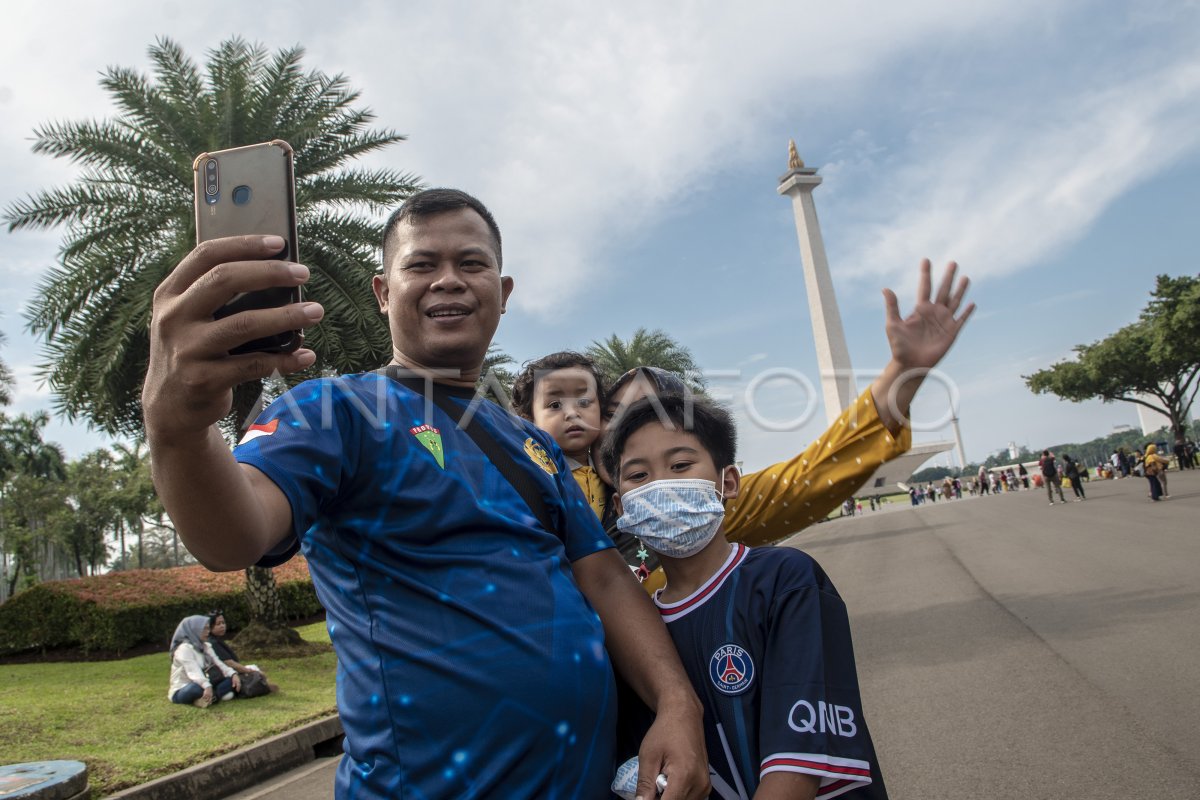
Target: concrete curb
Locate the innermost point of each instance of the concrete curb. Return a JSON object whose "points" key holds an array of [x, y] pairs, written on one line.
{"points": [[224, 775]]}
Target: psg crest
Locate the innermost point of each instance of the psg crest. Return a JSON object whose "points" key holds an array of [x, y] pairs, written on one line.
{"points": [[731, 669]]}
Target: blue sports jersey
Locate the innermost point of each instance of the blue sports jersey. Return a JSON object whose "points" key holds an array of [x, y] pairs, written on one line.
{"points": [[469, 663], [766, 644]]}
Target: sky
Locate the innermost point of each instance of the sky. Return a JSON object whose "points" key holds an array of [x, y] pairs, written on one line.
{"points": [[631, 153]]}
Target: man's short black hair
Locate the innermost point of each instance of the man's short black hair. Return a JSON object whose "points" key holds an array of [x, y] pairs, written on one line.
{"points": [[437, 201], [704, 419], [533, 371]]}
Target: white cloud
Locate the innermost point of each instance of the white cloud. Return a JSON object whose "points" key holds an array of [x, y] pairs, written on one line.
{"points": [[1015, 186], [582, 131]]}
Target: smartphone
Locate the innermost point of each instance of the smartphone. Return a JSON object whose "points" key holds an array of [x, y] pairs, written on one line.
{"points": [[251, 190]]}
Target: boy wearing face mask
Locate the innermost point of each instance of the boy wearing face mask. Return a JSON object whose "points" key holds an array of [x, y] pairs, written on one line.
{"points": [[762, 632]]}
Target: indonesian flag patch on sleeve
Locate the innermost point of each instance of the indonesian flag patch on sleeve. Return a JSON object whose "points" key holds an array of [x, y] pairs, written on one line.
{"points": [[260, 429]]}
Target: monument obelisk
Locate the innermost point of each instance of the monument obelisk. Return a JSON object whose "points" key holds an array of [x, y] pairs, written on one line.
{"points": [[833, 357]]}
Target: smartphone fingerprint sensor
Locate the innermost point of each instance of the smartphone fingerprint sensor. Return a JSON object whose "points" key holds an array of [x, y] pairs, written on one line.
{"points": [[241, 195]]}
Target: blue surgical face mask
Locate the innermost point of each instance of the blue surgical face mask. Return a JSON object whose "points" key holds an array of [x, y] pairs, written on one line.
{"points": [[674, 518]]}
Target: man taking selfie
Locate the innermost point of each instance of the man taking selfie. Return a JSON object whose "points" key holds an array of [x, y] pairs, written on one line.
{"points": [[455, 556]]}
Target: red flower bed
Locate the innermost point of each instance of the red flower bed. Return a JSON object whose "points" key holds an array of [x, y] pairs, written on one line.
{"points": [[113, 612], [132, 587]]}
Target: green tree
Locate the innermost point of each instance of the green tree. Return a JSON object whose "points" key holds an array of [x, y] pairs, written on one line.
{"points": [[1157, 357], [31, 498], [129, 220], [95, 510], [129, 217], [615, 356], [6, 379], [134, 496], [35, 513]]}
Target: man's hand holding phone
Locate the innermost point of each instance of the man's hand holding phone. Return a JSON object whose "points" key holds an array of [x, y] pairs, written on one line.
{"points": [[191, 375]]}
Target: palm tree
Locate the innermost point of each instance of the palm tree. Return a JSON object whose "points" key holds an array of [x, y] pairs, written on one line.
{"points": [[129, 220], [615, 356], [129, 217], [27, 453], [496, 373], [6, 379], [135, 497]]}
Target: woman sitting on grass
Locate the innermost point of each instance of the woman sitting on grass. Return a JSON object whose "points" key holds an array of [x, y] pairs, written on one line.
{"points": [[193, 661], [216, 622]]}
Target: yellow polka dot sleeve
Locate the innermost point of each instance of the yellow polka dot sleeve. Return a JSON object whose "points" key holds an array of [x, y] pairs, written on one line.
{"points": [[793, 494]]}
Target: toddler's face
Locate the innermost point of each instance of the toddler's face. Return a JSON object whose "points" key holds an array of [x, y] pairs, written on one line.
{"points": [[566, 406]]}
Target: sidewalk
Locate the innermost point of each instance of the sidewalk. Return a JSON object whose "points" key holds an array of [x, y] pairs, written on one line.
{"points": [[252, 765], [311, 782]]}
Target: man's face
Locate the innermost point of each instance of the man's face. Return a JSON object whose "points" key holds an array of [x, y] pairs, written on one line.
{"points": [[566, 406], [443, 292]]}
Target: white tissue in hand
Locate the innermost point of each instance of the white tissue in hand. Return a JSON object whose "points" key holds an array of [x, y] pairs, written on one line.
{"points": [[625, 784]]}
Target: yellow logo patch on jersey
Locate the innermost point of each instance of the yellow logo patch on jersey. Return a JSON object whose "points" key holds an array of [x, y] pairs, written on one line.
{"points": [[538, 455]]}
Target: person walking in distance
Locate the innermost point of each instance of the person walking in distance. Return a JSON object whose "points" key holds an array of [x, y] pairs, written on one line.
{"points": [[1050, 476], [1154, 466], [1071, 470]]}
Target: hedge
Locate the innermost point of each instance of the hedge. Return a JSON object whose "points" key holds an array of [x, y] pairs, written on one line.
{"points": [[114, 612]]}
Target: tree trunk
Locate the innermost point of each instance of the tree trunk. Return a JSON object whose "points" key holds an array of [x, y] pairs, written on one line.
{"points": [[121, 531], [262, 593], [1178, 423]]}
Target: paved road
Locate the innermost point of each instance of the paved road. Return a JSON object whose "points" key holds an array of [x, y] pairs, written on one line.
{"points": [[1011, 649]]}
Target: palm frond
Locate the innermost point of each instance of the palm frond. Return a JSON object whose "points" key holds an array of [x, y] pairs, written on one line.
{"points": [[377, 189], [128, 217]]}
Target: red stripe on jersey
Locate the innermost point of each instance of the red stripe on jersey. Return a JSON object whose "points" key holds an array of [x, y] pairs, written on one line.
{"points": [[267, 427], [822, 766], [709, 589]]}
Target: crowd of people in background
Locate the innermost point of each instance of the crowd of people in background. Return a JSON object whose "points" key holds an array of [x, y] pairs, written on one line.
{"points": [[1056, 474]]}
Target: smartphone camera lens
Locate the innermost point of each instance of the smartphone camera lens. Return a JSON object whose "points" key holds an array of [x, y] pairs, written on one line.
{"points": [[210, 180]]}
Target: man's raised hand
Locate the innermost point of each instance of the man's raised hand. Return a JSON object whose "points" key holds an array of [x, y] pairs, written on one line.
{"points": [[190, 379]]}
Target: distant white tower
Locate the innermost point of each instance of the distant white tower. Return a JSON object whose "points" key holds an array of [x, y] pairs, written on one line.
{"points": [[833, 357], [1150, 419]]}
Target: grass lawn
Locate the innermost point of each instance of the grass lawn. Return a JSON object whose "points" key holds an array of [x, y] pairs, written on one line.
{"points": [[115, 715]]}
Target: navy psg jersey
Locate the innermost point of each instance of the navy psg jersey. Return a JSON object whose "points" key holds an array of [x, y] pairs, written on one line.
{"points": [[469, 663], [766, 644]]}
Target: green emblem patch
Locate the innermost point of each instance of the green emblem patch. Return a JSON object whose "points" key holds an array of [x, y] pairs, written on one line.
{"points": [[431, 438]]}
